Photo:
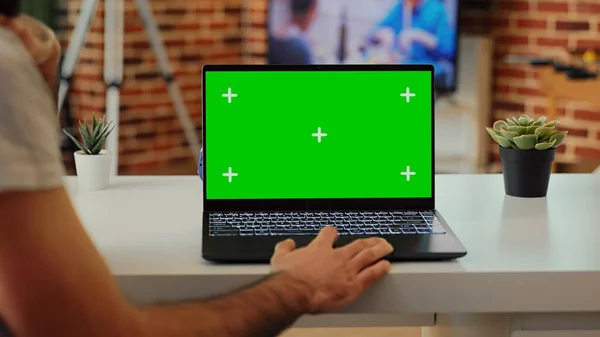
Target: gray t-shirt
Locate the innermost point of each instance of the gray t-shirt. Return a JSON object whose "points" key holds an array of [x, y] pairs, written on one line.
{"points": [[30, 157]]}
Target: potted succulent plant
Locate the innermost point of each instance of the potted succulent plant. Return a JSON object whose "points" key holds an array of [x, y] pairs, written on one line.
{"points": [[92, 162], [527, 150]]}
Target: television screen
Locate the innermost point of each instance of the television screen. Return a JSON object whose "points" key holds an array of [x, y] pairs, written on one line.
{"points": [[366, 32]]}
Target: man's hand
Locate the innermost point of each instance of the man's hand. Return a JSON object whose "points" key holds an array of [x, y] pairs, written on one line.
{"points": [[41, 43], [336, 277], [407, 37]]}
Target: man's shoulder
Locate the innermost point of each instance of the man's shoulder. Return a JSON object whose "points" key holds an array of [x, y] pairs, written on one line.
{"points": [[29, 129], [17, 65], [14, 58]]}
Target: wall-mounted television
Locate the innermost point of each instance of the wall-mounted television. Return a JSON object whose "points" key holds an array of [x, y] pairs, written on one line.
{"points": [[366, 32]]}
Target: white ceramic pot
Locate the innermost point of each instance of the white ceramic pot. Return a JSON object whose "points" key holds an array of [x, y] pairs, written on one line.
{"points": [[93, 171]]}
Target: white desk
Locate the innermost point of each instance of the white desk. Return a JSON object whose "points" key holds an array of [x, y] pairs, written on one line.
{"points": [[532, 263]]}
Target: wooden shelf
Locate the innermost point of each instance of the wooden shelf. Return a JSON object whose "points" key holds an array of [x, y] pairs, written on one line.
{"points": [[558, 86]]}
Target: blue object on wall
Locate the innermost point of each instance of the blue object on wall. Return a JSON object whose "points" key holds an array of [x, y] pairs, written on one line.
{"points": [[200, 162]]}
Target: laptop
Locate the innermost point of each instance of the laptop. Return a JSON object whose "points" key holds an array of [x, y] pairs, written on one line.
{"points": [[290, 149]]}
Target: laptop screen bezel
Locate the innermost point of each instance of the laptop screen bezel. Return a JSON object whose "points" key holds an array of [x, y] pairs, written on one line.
{"points": [[317, 204]]}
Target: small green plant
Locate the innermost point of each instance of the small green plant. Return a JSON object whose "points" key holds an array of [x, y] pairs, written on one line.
{"points": [[526, 133], [92, 139]]}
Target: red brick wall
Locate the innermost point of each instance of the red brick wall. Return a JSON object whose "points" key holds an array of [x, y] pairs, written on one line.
{"points": [[194, 32], [546, 28], [233, 31]]}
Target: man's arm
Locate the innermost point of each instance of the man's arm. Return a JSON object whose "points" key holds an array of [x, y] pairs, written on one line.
{"points": [[54, 283], [265, 309], [52, 280]]}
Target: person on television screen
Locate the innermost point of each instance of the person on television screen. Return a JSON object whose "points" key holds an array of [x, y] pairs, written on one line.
{"points": [[289, 45], [417, 31]]}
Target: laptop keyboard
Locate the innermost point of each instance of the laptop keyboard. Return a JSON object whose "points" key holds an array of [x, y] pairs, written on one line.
{"points": [[311, 223]]}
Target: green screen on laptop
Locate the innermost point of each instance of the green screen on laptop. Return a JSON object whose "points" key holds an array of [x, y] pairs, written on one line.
{"points": [[318, 134]]}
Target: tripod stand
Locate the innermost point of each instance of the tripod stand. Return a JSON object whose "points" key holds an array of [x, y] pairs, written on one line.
{"points": [[113, 66]]}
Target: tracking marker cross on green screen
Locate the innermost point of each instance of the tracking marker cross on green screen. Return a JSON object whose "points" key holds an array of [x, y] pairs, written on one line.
{"points": [[321, 134]]}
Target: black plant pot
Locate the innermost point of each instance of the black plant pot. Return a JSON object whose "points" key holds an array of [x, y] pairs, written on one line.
{"points": [[526, 173]]}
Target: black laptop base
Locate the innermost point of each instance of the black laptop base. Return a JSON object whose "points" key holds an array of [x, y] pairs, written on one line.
{"points": [[407, 248], [259, 249]]}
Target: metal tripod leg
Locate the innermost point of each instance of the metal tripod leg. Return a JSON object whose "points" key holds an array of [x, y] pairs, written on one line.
{"points": [[113, 67], [87, 13], [113, 71], [167, 72]]}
